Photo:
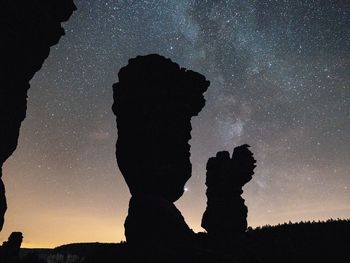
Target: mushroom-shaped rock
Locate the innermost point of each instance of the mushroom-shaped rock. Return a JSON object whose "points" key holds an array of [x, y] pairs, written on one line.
{"points": [[154, 102]]}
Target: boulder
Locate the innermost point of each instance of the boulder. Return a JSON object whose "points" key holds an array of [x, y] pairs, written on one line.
{"points": [[9, 251]]}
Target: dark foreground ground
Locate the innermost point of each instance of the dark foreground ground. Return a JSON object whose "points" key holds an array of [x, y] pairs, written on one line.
{"points": [[301, 242]]}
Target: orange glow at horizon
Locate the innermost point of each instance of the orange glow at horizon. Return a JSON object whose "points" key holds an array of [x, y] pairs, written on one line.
{"points": [[48, 224]]}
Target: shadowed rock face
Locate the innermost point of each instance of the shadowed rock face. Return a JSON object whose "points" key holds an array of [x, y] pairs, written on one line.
{"points": [[154, 101], [226, 213], [9, 251], [155, 222], [28, 30]]}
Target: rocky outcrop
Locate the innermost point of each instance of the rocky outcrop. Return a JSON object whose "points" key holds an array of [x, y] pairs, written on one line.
{"points": [[156, 222], [226, 213], [9, 251], [28, 30], [154, 102]]}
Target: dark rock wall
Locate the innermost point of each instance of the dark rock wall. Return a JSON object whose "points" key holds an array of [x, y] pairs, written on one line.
{"points": [[154, 102], [226, 213], [28, 30]]}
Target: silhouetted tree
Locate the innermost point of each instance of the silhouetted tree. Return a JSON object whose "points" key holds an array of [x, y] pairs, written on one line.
{"points": [[320, 242]]}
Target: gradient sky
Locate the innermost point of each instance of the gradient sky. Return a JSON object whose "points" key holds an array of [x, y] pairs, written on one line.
{"points": [[280, 81]]}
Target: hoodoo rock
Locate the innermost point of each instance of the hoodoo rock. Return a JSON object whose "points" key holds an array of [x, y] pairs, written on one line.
{"points": [[154, 102], [226, 214], [28, 30]]}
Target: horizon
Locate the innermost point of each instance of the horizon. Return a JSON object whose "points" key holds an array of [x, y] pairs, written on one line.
{"points": [[253, 228]]}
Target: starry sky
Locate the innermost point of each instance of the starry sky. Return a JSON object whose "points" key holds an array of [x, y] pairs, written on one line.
{"points": [[280, 81]]}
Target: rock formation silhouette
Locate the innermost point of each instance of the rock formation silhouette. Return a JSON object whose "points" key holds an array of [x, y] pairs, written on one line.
{"points": [[28, 30], [9, 251], [154, 102], [226, 214]]}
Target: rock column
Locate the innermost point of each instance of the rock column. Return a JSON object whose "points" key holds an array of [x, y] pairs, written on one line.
{"points": [[154, 102], [226, 214]]}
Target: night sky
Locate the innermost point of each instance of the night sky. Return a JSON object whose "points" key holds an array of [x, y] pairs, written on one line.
{"points": [[280, 81]]}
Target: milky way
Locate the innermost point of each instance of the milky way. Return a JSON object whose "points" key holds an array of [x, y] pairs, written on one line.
{"points": [[280, 81]]}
